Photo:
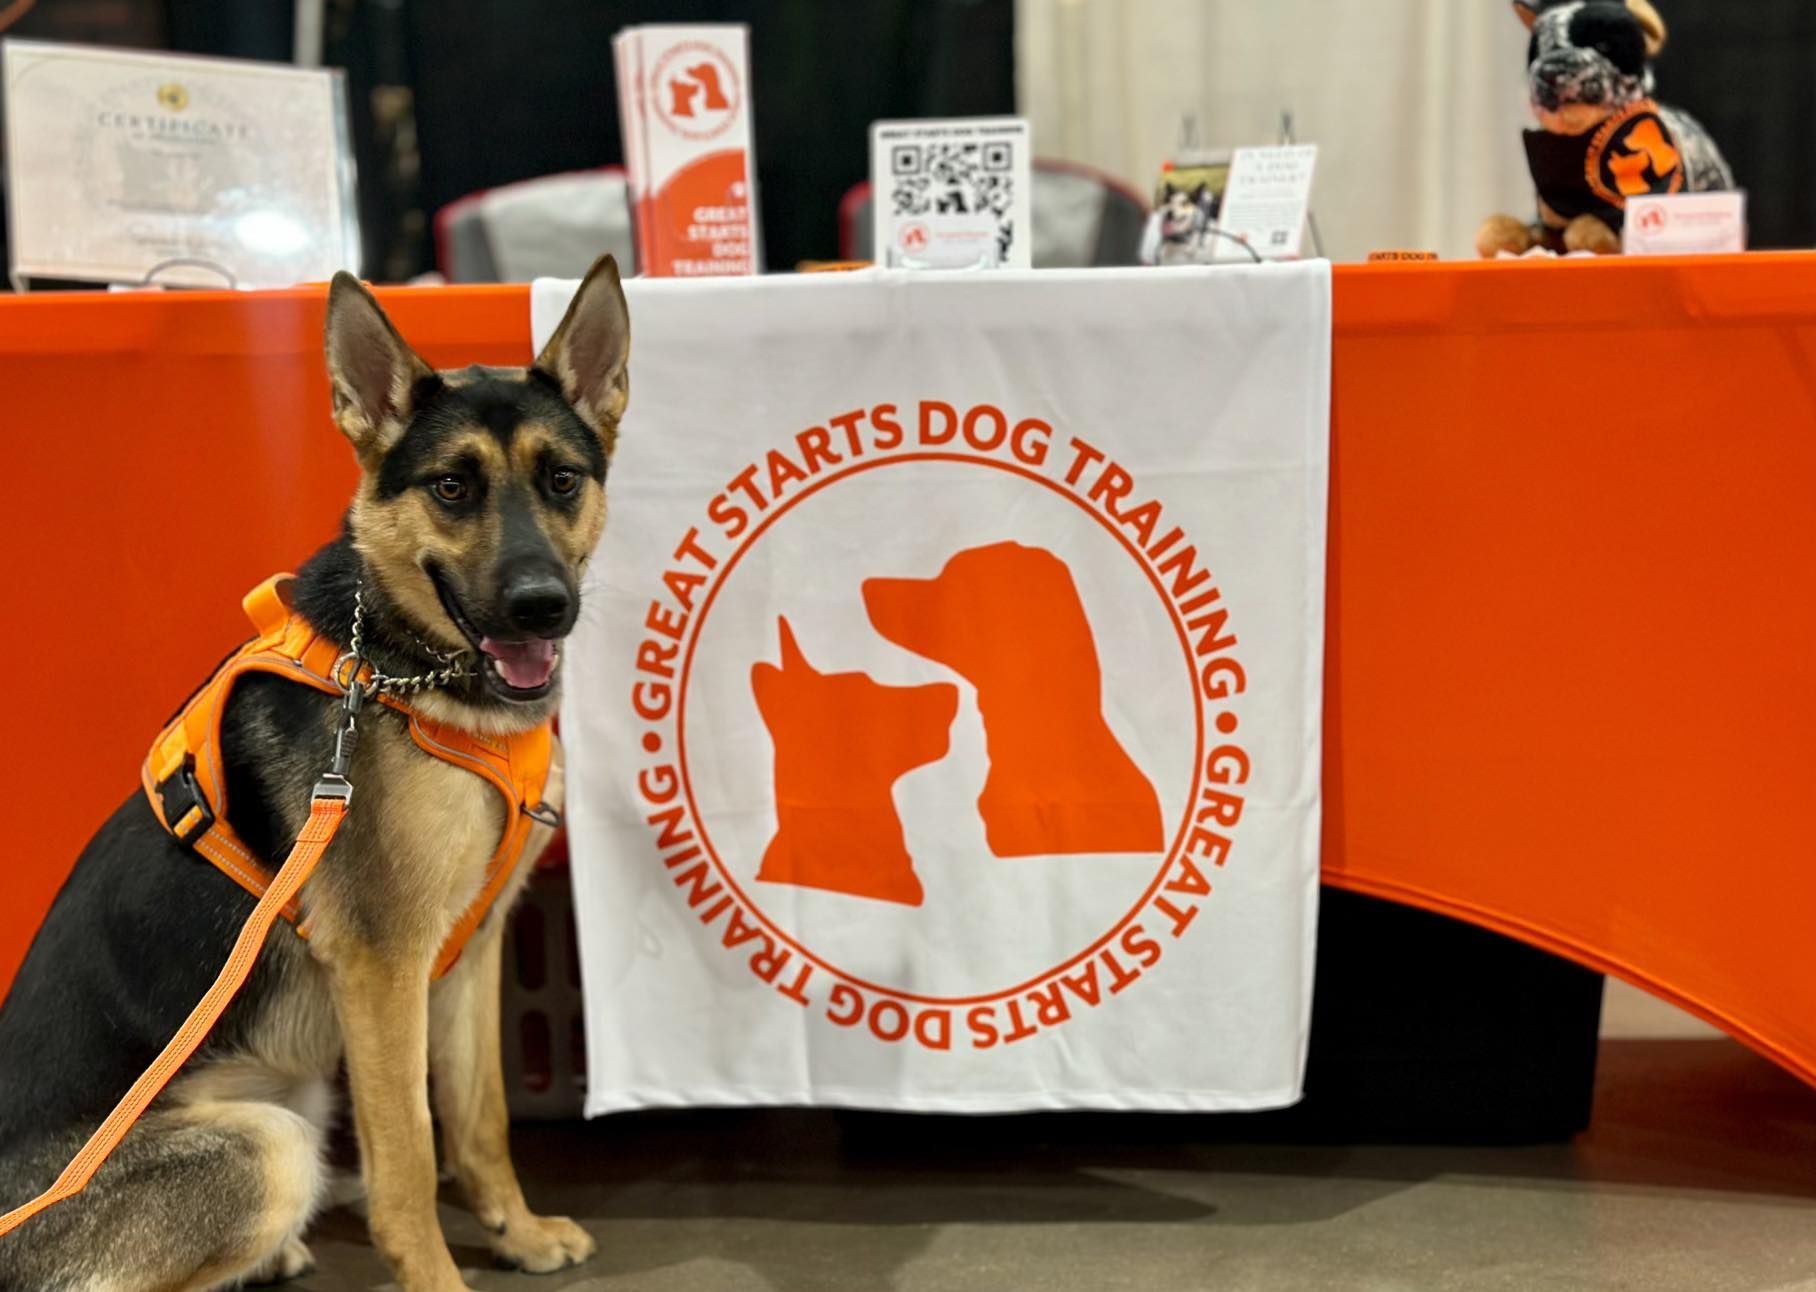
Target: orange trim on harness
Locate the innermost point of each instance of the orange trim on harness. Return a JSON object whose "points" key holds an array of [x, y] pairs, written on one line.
{"points": [[324, 819], [183, 774], [185, 779]]}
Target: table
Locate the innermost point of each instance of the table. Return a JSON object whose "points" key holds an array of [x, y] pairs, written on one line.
{"points": [[1573, 541]]}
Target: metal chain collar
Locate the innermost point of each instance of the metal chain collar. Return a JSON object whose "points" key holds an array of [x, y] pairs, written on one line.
{"points": [[455, 665]]}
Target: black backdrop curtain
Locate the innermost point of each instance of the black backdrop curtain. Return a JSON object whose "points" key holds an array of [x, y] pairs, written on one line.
{"points": [[451, 96], [506, 90], [1747, 71]]}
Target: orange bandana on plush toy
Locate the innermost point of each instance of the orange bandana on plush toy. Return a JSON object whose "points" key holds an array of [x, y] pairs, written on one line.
{"points": [[1629, 155]]}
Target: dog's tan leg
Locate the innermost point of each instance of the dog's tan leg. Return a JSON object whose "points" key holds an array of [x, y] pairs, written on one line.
{"points": [[383, 1004], [195, 1197], [468, 1074]]}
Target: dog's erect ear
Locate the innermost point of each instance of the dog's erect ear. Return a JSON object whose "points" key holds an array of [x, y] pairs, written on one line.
{"points": [[589, 351], [764, 676], [792, 659], [1526, 13], [372, 373], [1650, 23]]}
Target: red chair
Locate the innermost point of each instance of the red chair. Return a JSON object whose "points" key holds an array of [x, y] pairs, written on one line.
{"points": [[553, 226]]}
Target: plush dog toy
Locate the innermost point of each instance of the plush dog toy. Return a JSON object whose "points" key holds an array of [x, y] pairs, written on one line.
{"points": [[1601, 139]]}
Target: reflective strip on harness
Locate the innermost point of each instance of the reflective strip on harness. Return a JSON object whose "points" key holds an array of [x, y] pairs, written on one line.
{"points": [[324, 819]]}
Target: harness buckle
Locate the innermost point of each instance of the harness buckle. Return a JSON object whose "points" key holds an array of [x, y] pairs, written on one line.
{"points": [[333, 785], [186, 811]]}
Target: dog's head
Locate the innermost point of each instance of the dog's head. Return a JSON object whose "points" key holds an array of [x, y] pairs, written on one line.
{"points": [[849, 725], [1588, 58], [975, 613], [482, 490], [1179, 214]]}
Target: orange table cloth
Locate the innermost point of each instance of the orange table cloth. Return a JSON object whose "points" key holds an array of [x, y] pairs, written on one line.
{"points": [[1572, 550]]}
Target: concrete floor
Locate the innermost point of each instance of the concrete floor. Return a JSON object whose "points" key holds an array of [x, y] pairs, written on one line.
{"points": [[1699, 1174]]}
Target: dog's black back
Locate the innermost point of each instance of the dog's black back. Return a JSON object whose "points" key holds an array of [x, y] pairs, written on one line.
{"points": [[140, 930]]}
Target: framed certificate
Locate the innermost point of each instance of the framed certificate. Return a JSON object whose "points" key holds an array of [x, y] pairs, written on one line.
{"points": [[127, 167]]}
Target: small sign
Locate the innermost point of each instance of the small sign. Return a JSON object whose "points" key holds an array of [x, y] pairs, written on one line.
{"points": [[1685, 224], [684, 107], [1182, 228], [1265, 201], [951, 194], [164, 169]]}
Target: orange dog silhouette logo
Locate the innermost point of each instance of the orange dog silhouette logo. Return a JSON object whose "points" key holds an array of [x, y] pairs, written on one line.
{"points": [[939, 719], [842, 740], [696, 90], [1008, 619], [1059, 781], [699, 82]]}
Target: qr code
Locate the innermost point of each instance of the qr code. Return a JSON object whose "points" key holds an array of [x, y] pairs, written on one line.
{"points": [[956, 179]]}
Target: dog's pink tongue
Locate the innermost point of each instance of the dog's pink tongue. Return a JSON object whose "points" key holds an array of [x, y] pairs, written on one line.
{"points": [[525, 665]]}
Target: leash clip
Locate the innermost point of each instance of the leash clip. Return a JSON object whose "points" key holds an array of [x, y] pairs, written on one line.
{"points": [[334, 783], [345, 675]]}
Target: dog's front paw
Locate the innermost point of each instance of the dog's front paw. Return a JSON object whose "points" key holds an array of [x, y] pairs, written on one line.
{"points": [[291, 1261], [542, 1244]]}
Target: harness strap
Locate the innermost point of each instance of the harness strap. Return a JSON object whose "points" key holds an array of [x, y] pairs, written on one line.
{"points": [[325, 816], [186, 784], [186, 755], [502, 767], [498, 874]]}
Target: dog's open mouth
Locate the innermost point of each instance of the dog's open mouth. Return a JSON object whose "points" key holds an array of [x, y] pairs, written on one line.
{"points": [[517, 670], [522, 666]]}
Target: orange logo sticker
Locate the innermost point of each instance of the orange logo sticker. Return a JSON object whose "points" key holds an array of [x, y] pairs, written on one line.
{"points": [[1632, 155], [696, 91]]}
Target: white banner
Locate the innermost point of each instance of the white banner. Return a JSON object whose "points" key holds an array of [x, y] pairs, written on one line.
{"points": [[943, 722]]}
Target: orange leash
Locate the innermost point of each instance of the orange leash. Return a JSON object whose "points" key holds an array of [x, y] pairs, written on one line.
{"points": [[326, 812]]}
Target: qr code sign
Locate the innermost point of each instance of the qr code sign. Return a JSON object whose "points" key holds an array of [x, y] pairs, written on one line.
{"points": [[951, 194], [952, 179]]}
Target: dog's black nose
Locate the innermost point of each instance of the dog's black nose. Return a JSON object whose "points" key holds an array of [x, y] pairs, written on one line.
{"points": [[537, 602]]}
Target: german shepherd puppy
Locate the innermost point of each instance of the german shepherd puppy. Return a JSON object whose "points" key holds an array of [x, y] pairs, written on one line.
{"points": [[481, 496]]}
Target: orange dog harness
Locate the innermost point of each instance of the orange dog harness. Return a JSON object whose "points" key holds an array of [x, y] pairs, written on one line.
{"points": [[186, 783]]}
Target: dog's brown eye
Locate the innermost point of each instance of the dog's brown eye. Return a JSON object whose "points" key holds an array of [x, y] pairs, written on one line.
{"points": [[451, 489], [565, 480]]}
